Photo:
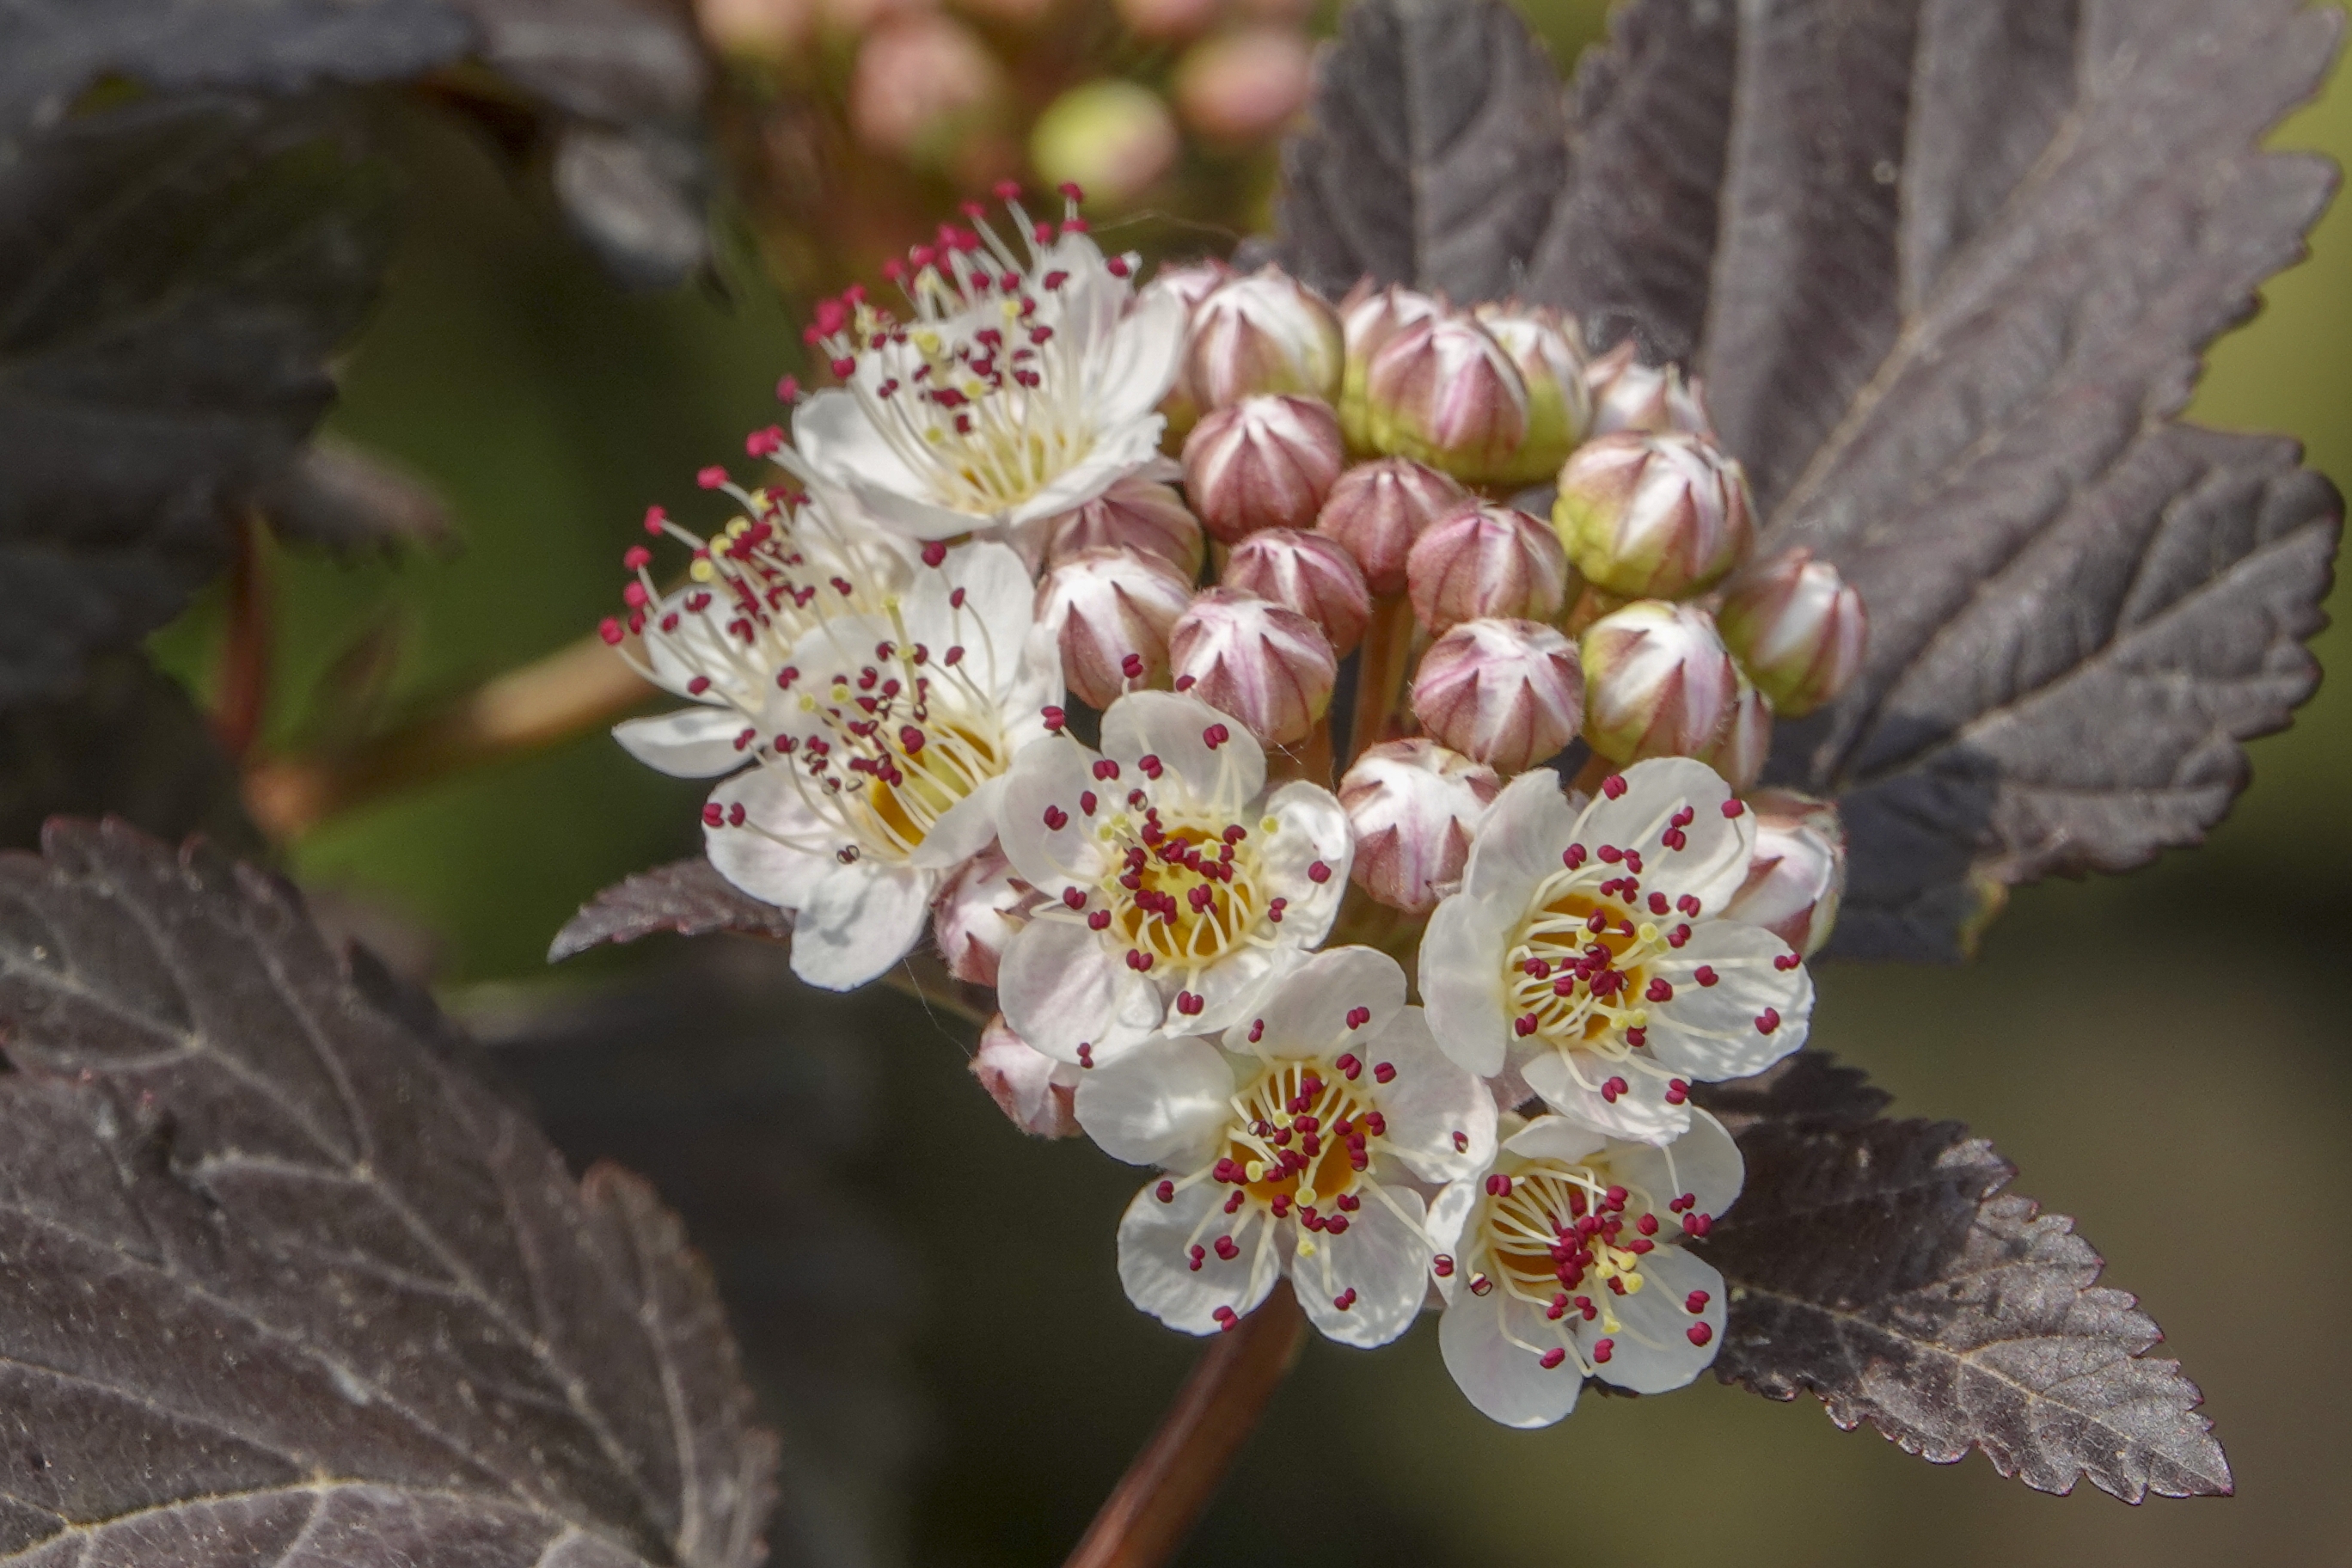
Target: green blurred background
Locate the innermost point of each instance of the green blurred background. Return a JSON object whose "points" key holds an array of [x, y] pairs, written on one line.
{"points": [[2161, 1054]]}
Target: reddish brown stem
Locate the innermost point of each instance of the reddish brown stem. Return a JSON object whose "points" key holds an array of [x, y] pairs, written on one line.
{"points": [[243, 698], [1381, 667], [1156, 1502]]}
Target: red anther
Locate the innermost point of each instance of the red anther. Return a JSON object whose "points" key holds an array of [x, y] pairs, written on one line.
{"points": [[1070, 190], [934, 553], [1234, 1203], [1005, 190], [1348, 1064], [1281, 1204], [1481, 1285], [1658, 991], [714, 815], [761, 443], [1165, 1192], [1132, 667], [1057, 818], [1442, 1265], [1054, 718], [1614, 786], [1345, 1298], [609, 629], [1673, 838], [1234, 833], [1678, 1091], [910, 739], [1536, 969], [1074, 898], [1087, 801], [1184, 682], [1705, 975], [1768, 1020], [1349, 1203], [1085, 1053], [633, 595], [1787, 962], [1150, 764], [1647, 1225], [1604, 1349], [1634, 864], [1189, 1004], [1637, 1037], [1374, 1120], [1116, 265], [957, 598], [1318, 873], [698, 686], [656, 520], [1695, 1302], [1558, 1309], [1274, 910], [1227, 1248], [922, 255], [1612, 1088], [1596, 923], [1105, 769], [1055, 280], [1615, 1198], [1498, 1186], [1384, 1072], [1732, 809], [1224, 1316], [1526, 1024], [1138, 961], [1612, 854], [1215, 735], [1658, 904], [789, 389], [1699, 1333], [1099, 920], [1687, 905], [1257, 1030], [711, 477], [1640, 1244], [1676, 937], [635, 558], [1357, 1018], [1572, 857], [1196, 1255]]}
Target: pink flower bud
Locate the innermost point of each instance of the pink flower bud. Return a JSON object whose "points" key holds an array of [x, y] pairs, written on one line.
{"points": [[1308, 574], [1377, 509], [1484, 559], [1630, 395], [1654, 516], [1505, 692], [1137, 514], [1035, 1091], [1266, 462], [1658, 682], [1797, 876], [1109, 612], [1543, 344], [1797, 627], [1413, 806], [1745, 740], [1369, 318], [1270, 667], [977, 913], [1443, 391], [1264, 334], [1190, 282]]}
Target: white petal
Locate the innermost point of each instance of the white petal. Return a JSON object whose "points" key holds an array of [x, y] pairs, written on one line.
{"points": [[1145, 350], [1520, 840], [783, 849], [1382, 1257], [1307, 1017], [1652, 1351], [1506, 1382], [1169, 726], [1448, 1213], [1052, 774], [962, 831], [1117, 453], [859, 920], [1231, 988], [1160, 1104], [992, 624], [1156, 1267], [1704, 1163], [1556, 1138], [1061, 989], [1713, 861], [1310, 827], [1460, 968], [835, 435], [910, 514], [1712, 1032], [1640, 1112], [1430, 1104], [691, 744]]}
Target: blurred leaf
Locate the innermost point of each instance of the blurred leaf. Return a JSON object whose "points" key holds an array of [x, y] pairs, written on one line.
{"points": [[337, 497], [288, 1282], [634, 197], [1879, 1265], [172, 277], [689, 897], [126, 742], [1434, 153]]}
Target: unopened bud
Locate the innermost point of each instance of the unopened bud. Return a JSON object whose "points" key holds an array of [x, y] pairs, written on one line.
{"points": [[1308, 574], [1035, 1091], [1504, 692], [977, 913], [1369, 318], [1658, 682], [1189, 283], [1484, 559], [1137, 514], [1240, 86], [1266, 332], [1270, 667], [1652, 399], [1109, 613], [1654, 516], [1797, 875], [1745, 740], [1379, 509], [1113, 137], [1797, 628], [1266, 462], [1415, 805], [1445, 392], [1543, 344]]}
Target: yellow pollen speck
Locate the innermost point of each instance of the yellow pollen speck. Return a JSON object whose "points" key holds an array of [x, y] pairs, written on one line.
{"points": [[890, 604], [702, 571], [739, 528], [1012, 309], [1307, 1197], [808, 702], [1648, 932], [1254, 1170], [1307, 1247], [928, 342], [1633, 1283], [934, 436], [1609, 1324], [1269, 826]]}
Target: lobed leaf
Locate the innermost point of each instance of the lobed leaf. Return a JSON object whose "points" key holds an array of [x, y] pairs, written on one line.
{"points": [[288, 1282], [689, 897]]}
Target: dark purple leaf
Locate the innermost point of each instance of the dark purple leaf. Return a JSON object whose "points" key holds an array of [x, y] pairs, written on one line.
{"points": [[334, 497], [1808, 1090], [689, 897], [1880, 1265], [1434, 155], [288, 1283]]}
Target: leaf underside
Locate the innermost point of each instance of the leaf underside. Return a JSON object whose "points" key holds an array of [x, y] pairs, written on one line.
{"points": [[287, 1283], [1880, 1266], [1949, 268], [689, 897]]}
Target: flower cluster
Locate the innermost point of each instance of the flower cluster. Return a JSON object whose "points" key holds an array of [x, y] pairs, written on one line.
{"points": [[1403, 998]]}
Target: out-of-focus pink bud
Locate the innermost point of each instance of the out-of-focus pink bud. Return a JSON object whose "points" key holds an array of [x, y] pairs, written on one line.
{"points": [[1243, 85], [1379, 509], [1630, 395], [918, 78], [1168, 18], [1658, 682], [1654, 516], [1266, 462], [1543, 343], [1797, 627], [1270, 667], [1369, 319], [763, 29], [1112, 137], [1110, 613], [1484, 559], [1036, 1091], [977, 913], [1745, 740], [1508, 693], [1415, 805], [1137, 514], [1266, 333], [1308, 574], [1798, 875], [1445, 392]]}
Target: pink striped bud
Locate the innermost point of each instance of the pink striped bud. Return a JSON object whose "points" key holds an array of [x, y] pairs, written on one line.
{"points": [[1651, 399], [1654, 516], [1308, 574], [1504, 692], [1415, 805], [1037, 1092], [1445, 392], [1266, 462], [1136, 514], [977, 913], [1542, 343], [1796, 876], [1484, 560], [1266, 332], [1270, 667], [1658, 682], [1109, 612], [1745, 740], [1189, 282], [1377, 509], [1369, 318], [1797, 627]]}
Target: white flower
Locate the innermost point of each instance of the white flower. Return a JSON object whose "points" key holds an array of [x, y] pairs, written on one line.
{"points": [[1561, 1263], [1024, 383], [1289, 1148], [1177, 886], [1591, 949]]}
